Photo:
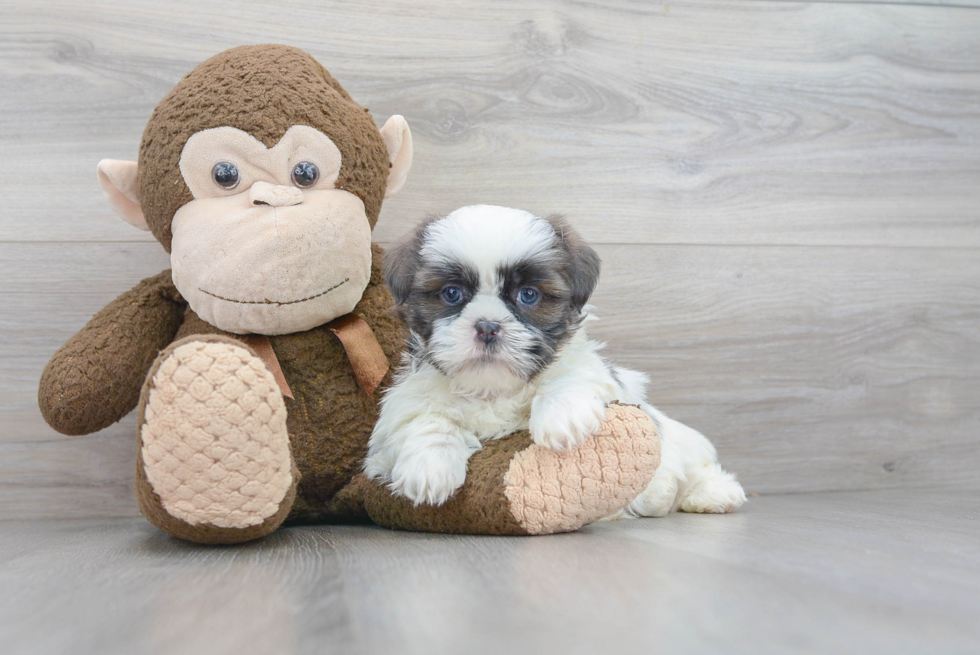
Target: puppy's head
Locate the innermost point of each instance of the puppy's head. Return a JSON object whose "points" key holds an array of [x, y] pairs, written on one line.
{"points": [[491, 293]]}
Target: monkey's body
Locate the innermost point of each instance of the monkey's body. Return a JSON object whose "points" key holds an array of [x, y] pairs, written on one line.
{"points": [[224, 455], [329, 417]]}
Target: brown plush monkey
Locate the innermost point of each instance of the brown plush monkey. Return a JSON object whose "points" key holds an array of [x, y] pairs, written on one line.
{"points": [[262, 353]]}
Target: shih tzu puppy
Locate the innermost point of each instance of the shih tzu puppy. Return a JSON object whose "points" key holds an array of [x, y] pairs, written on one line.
{"points": [[495, 302]]}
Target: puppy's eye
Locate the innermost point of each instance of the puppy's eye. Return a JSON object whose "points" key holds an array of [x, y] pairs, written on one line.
{"points": [[226, 175], [527, 296], [451, 295], [305, 174]]}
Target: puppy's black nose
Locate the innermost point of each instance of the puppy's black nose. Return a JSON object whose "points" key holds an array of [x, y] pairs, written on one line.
{"points": [[487, 331]]}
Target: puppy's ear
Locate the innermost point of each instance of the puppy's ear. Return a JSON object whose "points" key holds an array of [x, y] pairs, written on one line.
{"points": [[402, 260], [581, 270]]}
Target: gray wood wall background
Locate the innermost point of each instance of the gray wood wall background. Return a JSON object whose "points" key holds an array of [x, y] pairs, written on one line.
{"points": [[786, 197]]}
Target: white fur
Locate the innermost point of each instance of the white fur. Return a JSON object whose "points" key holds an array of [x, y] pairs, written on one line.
{"points": [[443, 407], [487, 236]]}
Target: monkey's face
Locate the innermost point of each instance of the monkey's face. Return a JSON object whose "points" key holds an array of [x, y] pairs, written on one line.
{"points": [[263, 179], [268, 245]]}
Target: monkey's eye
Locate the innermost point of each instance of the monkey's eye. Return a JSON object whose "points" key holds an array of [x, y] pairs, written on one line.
{"points": [[527, 296], [305, 174], [451, 295], [226, 175]]}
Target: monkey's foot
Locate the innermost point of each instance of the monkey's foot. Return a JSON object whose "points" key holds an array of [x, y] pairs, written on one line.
{"points": [[516, 487], [214, 458], [551, 491]]}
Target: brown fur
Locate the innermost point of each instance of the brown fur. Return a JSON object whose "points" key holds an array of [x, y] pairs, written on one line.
{"points": [[295, 90], [479, 507], [582, 264], [95, 378], [402, 261], [329, 418]]}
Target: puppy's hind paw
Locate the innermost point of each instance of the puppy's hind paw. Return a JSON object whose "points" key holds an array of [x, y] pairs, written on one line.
{"points": [[718, 494], [562, 421]]}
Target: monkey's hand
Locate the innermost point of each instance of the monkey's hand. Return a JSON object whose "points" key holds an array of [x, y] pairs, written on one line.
{"points": [[95, 379]]}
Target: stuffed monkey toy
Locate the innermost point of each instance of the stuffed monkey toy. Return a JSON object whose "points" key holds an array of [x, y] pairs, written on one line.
{"points": [[256, 361]]}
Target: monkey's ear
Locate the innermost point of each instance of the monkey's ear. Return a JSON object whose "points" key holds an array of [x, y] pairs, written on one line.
{"points": [[398, 141], [120, 184]]}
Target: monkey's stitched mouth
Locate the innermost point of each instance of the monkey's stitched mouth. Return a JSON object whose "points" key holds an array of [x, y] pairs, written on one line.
{"points": [[275, 302]]}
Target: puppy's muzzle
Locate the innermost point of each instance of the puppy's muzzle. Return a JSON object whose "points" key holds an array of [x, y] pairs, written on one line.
{"points": [[487, 331]]}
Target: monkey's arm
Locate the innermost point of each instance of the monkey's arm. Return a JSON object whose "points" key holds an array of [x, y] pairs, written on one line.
{"points": [[95, 379]]}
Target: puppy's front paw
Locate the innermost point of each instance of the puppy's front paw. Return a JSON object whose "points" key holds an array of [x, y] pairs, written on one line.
{"points": [[430, 475], [562, 421]]}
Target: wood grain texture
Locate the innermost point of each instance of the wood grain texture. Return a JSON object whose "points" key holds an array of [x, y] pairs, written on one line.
{"points": [[961, 4], [840, 368], [695, 122], [843, 368], [872, 572], [49, 291]]}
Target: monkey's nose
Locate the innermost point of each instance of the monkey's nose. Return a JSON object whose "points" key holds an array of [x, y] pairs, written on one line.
{"points": [[275, 195], [486, 331]]}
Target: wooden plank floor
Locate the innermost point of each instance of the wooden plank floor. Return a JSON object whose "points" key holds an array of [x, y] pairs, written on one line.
{"points": [[857, 572]]}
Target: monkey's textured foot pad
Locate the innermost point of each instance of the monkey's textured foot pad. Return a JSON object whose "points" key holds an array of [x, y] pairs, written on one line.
{"points": [[551, 491], [214, 451], [516, 487]]}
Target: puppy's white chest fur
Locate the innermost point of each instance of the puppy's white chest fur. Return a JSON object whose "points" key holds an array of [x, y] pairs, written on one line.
{"points": [[511, 407], [491, 418]]}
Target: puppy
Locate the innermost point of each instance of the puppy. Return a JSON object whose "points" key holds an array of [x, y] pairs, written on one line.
{"points": [[495, 302]]}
